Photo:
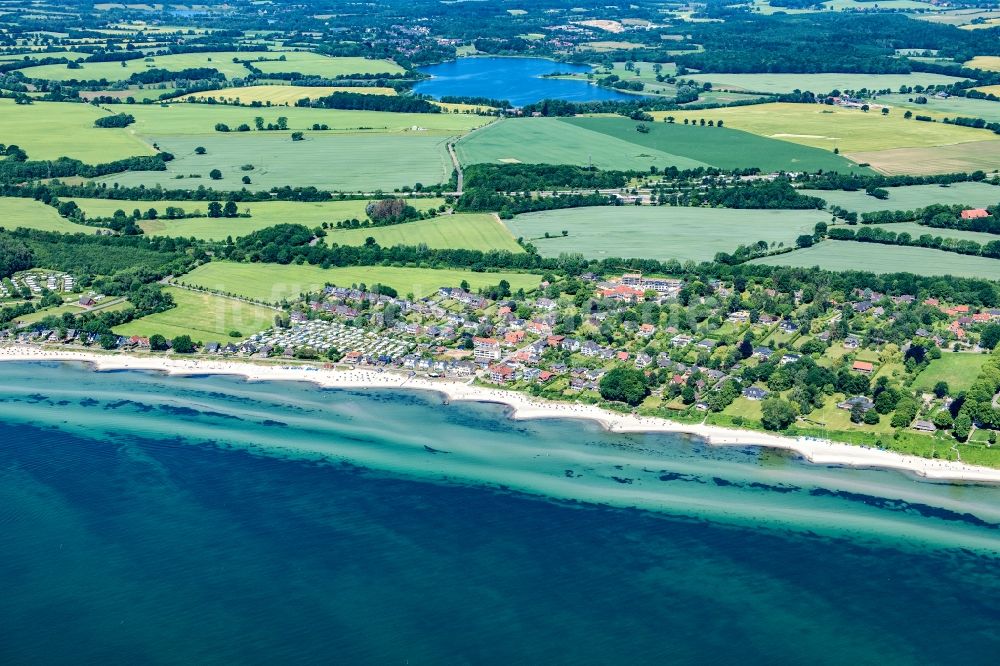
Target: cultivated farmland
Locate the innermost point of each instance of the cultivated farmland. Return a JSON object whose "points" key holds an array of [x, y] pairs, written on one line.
{"points": [[818, 83], [42, 128], [829, 127], [614, 143], [274, 282], [990, 63], [347, 162], [205, 317], [114, 71], [280, 95], [912, 197], [467, 231], [262, 214], [984, 155], [950, 107], [659, 232], [308, 63], [874, 258]]}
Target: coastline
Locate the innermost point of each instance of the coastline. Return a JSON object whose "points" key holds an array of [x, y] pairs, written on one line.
{"points": [[524, 407]]}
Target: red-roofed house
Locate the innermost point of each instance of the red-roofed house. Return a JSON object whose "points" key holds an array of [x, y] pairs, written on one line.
{"points": [[864, 367], [501, 373], [975, 213], [514, 337]]}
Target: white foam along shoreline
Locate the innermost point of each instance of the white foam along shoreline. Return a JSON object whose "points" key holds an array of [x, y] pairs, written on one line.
{"points": [[822, 452]]}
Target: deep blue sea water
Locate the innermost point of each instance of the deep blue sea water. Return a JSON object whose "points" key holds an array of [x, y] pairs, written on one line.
{"points": [[150, 519], [518, 80]]}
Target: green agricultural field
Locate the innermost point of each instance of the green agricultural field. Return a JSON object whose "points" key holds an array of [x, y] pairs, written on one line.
{"points": [[614, 143], [274, 282], [829, 127], [959, 370], [107, 305], [47, 130], [871, 257], [466, 231], [17, 212], [818, 83], [262, 214], [951, 107], [280, 95], [659, 232], [344, 162], [180, 119], [205, 317], [114, 71], [314, 64], [912, 197]]}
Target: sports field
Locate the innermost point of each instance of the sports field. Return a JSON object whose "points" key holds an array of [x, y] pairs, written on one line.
{"points": [[43, 129], [829, 127], [945, 108], [262, 214], [818, 83], [959, 370], [274, 282], [659, 232], [614, 143], [962, 157], [870, 257], [467, 231], [280, 95], [912, 197], [340, 162], [18, 212], [205, 317]]}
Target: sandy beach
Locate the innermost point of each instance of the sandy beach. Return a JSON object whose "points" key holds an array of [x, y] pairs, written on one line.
{"points": [[823, 452]]}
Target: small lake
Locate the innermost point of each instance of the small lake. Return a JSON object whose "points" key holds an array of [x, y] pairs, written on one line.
{"points": [[516, 79]]}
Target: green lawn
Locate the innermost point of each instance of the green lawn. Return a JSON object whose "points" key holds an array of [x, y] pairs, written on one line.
{"points": [[204, 317], [467, 231], [659, 232], [262, 214], [614, 143], [818, 83], [47, 130], [274, 282], [853, 256], [959, 370], [19, 212], [350, 163], [912, 196], [73, 308]]}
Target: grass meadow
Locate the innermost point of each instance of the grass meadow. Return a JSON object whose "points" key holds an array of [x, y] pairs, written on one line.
{"points": [[308, 63], [874, 258], [829, 127], [945, 108], [958, 369], [912, 196], [274, 282], [467, 231], [916, 230], [47, 130], [20, 212], [658, 232], [205, 317], [614, 143]]}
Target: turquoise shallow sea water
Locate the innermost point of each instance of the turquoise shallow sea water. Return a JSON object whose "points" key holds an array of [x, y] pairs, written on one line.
{"points": [[151, 519]]}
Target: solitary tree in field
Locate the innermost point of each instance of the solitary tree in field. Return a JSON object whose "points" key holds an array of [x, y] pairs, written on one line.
{"points": [[215, 174], [200, 150], [885, 110]]}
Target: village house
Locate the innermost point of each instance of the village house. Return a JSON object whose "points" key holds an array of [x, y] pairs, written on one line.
{"points": [[864, 367], [486, 349], [754, 393]]}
